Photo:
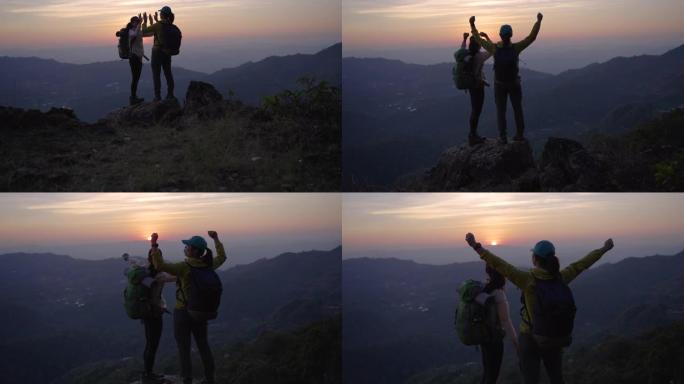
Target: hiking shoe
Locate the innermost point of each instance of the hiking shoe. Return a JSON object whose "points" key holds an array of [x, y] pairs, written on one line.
{"points": [[519, 138], [475, 139], [503, 140], [134, 100]]}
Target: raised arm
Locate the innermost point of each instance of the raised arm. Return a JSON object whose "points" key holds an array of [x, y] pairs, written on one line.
{"points": [[148, 30], [487, 45], [220, 251], [516, 276], [158, 261], [465, 37], [524, 43], [570, 272]]}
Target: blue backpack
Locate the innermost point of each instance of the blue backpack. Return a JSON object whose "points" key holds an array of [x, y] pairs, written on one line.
{"points": [[505, 64], [554, 313], [204, 296]]}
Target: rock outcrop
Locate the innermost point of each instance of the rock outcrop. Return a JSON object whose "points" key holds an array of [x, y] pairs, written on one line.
{"points": [[486, 167], [145, 114], [564, 166]]}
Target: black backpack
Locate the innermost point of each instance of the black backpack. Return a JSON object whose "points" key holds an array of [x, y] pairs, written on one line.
{"points": [[506, 63], [124, 43], [204, 296], [171, 41], [553, 314]]}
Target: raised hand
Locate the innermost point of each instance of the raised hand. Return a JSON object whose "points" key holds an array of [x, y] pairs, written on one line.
{"points": [[470, 239], [153, 238], [465, 35], [472, 20], [484, 35], [608, 245], [539, 16], [213, 235], [156, 17]]}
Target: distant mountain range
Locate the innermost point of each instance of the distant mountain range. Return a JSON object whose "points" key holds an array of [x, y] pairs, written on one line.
{"points": [[398, 314], [398, 117], [62, 304], [93, 90]]}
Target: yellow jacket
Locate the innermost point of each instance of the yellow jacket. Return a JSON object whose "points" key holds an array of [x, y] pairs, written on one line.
{"points": [[525, 280], [182, 270]]}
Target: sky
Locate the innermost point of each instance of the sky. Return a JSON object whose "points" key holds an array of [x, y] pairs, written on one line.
{"points": [[431, 228], [574, 33], [216, 34], [100, 226]]}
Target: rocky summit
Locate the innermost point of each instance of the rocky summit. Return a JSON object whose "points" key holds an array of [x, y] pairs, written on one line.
{"points": [[205, 144], [564, 166]]}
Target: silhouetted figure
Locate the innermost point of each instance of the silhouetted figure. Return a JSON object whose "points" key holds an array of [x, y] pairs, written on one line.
{"points": [[506, 78], [543, 332], [198, 261], [474, 61], [166, 44]]}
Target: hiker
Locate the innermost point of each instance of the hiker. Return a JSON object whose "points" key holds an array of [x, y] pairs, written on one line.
{"points": [[543, 332], [135, 58], [166, 43], [475, 61], [492, 352], [198, 262], [153, 320], [506, 78]]}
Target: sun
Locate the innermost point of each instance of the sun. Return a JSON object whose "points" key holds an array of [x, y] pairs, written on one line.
{"points": [[493, 243], [148, 237]]}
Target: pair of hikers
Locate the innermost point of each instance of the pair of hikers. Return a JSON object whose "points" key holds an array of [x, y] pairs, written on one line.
{"points": [[548, 310], [198, 291], [167, 38], [469, 76]]}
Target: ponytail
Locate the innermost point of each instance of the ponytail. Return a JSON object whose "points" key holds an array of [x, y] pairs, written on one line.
{"points": [[208, 257], [550, 264]]}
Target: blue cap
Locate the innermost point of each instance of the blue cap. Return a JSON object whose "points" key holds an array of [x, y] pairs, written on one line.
{"points": [[544, 248], [166, 10], [196, 242], [506, 30]]}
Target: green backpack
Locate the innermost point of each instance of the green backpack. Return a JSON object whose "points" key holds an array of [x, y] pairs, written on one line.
{"points": [[463, 72], [137, 296], [476, 323]]}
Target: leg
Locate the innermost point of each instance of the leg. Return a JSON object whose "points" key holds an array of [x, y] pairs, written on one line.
{"points": [[153, 330], [199, 331], [181, 328], [136, 70], [476, 102], [553, 362], [529, 358], [501, 98], [516, 102], [166, 65], [156, 72], [492, 354]]}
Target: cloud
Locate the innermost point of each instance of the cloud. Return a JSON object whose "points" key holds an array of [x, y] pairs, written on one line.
{"points": [[89, 8]]}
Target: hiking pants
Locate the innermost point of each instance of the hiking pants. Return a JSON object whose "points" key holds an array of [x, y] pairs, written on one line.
{"points": [[161, 60], [136, 69], [184, 326], [502, 91], [531, 356], [492, 355], [153, 331], [477, 95]]}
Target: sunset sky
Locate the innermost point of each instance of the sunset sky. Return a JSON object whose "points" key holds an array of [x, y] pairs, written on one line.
{"points": [[92, 225], [250, 29], [409, 30], [400, 224]]}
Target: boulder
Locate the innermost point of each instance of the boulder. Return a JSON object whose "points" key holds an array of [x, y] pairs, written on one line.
{"points": [[566, 166], [486, 167], [204, 101]]}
